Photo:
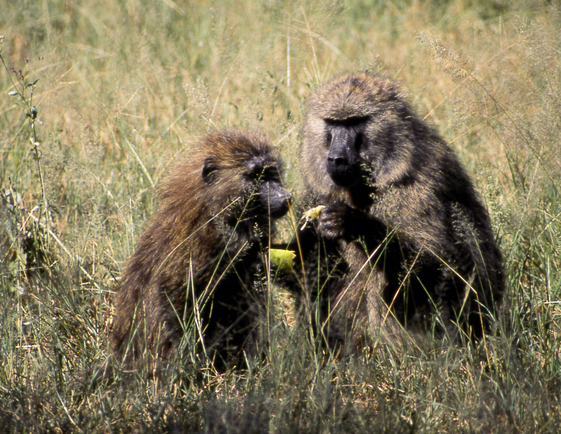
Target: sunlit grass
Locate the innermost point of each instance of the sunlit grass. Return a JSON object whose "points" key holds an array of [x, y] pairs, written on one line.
{"points": [[124, 89]]}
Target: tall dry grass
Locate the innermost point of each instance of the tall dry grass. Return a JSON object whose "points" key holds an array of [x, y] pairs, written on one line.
{"points": [[125, 87]]}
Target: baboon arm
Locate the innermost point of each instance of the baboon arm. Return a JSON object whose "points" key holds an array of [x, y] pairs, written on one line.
{"points": [[340, 221]]}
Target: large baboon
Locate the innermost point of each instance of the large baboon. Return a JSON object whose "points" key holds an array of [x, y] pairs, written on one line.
{"points": [[198, 264], [404, 242]]}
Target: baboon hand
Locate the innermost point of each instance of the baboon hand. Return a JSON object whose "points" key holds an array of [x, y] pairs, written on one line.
{"points": [[332, 221]]}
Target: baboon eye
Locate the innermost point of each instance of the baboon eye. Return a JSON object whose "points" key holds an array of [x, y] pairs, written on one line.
{"points": [[271, 174], [256, 172], [328, 138], [267, 173], [256, 168]]}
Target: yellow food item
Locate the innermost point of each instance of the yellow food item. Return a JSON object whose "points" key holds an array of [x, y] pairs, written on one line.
{"points": [[283, 260]]}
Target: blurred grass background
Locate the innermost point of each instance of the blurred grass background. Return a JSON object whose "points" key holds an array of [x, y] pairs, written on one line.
{"points": [[125, 87]]}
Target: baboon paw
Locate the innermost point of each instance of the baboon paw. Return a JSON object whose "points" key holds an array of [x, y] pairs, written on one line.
{"points": [[332, 221]]}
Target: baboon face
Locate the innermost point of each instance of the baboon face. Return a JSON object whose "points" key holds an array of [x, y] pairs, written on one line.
{"points": [[270, 197], [355, 132], [345, 139], [273, 199], [255, 178]]}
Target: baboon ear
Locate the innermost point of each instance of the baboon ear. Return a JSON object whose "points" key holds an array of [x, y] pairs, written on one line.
{"points": [[209, 170]]}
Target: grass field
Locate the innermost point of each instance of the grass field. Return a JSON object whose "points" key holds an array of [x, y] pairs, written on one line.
{"points": [[125, 87]]}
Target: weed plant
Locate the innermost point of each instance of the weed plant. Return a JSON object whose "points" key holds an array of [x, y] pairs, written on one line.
{"points": [[110, 92]]}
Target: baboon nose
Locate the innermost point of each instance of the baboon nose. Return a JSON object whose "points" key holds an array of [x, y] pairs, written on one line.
{"points": [[337, 161], [279, 203]]}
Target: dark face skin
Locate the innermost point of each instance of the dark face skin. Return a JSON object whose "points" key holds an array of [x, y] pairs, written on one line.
{"points": [[262, 176], [274, 199], [345, 139]]}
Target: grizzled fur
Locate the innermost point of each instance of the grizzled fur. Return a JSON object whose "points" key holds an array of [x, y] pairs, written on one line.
{"points": [[198, 264], [404, 237]]}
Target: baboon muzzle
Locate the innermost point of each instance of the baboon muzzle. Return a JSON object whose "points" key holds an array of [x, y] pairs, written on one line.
{"points": [[342, 160], [275, 199]]}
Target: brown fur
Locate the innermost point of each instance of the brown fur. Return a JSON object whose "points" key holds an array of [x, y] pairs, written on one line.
{"points": [[404, 238], [197, 265]]}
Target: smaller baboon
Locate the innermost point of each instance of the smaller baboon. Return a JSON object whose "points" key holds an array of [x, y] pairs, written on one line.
{"points": [[198, 264], [403, 241]]}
